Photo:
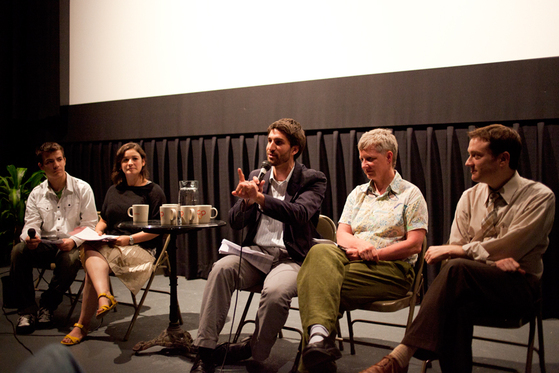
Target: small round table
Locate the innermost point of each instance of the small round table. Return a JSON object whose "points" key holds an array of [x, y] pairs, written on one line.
{"points": [[173, 336]]}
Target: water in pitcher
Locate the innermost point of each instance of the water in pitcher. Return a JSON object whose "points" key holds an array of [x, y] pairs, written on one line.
{"points": [[188, 192]]}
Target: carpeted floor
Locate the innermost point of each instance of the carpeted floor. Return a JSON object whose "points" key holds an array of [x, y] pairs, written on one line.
{"points": [[104, 351]]}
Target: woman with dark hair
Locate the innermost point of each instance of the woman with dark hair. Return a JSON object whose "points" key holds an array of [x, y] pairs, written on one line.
{"points": [[130, 257]]}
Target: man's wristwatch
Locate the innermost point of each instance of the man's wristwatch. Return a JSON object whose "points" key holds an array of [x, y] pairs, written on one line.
{"points": [[131, 242]]}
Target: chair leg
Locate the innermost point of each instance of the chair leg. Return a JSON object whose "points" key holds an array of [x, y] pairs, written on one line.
{"points": [[75, 302], [295, 367], [40, 278], [340, 338], [541, 349], [243, 318], [350, 328], [530, 350], [138, 306]]}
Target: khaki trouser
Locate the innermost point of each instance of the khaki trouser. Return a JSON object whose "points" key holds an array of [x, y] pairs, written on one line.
{"points": [[279, 287]]}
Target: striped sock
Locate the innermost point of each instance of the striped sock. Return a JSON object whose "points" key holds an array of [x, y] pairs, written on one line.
{"points": [[317, 333], [403, 354]]}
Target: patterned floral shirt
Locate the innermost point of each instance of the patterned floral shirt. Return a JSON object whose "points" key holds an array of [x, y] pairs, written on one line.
{"points": [[385, 219]]}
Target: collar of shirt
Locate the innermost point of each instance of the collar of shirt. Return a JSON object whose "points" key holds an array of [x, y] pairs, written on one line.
{"points": [[395, 186], [284, 181], [507, 190], [69, 186]]}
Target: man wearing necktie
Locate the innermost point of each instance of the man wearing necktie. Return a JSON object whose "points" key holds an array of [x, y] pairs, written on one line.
{"points": [[499, 234]]}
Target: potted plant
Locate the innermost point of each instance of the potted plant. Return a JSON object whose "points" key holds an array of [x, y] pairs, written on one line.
{"points": [[14, 190]]}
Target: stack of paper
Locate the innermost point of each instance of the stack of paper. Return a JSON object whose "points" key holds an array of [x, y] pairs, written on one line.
{"points": [[260, 260], [88, 234]]}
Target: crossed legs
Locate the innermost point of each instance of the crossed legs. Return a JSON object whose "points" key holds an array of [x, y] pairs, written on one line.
{"points": [[96, 282]]}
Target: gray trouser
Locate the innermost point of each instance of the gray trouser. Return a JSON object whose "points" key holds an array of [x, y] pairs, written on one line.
{"points": [[279, 287], [21, 275]]}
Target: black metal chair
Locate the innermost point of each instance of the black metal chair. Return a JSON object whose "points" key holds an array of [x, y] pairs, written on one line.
{"points": [[393, 305]]}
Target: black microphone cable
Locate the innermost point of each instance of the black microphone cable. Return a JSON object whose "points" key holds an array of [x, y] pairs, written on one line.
{"points": [[264, 168]]}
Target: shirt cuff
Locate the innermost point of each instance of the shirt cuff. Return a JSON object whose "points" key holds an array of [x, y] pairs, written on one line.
{"points": [[476, 251]]}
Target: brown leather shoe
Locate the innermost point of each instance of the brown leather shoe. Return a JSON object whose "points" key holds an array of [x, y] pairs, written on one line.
{"points": [[387, 365]]}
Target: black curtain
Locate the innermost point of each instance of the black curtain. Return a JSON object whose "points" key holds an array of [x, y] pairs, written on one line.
{"points": [[432, 157]]}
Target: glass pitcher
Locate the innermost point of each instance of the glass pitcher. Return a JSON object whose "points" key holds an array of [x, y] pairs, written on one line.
{"points": [[188, 192]]}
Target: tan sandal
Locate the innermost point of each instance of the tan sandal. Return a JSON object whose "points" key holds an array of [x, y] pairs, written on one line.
{"points": [[74, 340], [104, 309]]}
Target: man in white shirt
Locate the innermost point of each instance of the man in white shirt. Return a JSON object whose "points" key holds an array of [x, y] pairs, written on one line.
{"points": [[54, 209], [499, 234]]}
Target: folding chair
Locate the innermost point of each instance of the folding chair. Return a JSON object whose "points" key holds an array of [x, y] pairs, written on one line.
{"points": [[327, 229], [409, 300], [535, 320], [41, 278], [162, 263]]}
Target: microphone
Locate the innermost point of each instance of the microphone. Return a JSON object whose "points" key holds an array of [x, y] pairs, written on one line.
{"points": [[265, 168], [31, 233]]}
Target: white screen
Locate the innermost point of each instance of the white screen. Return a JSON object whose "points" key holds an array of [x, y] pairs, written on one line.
{"points": [[122, 49]]}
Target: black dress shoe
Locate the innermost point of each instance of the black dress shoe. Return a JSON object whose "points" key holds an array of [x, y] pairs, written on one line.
{"points": [[233, 352], [202, 366], [325, 367], [321, 353]]}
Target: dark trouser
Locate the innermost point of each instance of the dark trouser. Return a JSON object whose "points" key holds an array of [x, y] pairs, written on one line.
{"points": [[464, 290], [21, 274]]}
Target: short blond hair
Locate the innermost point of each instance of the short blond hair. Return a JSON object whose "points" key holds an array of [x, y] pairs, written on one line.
{"points": [[382, 140]]}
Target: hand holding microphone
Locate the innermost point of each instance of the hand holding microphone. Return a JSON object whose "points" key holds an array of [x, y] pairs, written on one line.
{"points": [[250, 190], [265, 167], [32, 242]]}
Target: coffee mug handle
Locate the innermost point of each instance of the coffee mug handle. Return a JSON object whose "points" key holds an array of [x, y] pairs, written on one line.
{"points": [[213, 216], [130, 213], [191, 215]]}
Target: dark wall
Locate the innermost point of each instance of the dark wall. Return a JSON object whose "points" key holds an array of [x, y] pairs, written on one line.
{"points": [[508, 91], [29, 80]]}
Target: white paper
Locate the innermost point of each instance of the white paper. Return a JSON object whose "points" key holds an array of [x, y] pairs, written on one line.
{"points": [[88, 234], [261, 261]]}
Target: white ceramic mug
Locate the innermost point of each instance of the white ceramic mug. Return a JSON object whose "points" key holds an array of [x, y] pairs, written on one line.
{"points": [[139, 213], [204, 213], [176, 207], [188, 215], [168, 215]]}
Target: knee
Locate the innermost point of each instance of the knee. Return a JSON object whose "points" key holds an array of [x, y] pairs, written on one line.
{"points": [[321, 252], [68, 259], [224, 269], [276, 297], [456, 267], [19, 251]]}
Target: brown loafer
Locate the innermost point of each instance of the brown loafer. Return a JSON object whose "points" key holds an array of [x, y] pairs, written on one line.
{"points": [[387, 365]]}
